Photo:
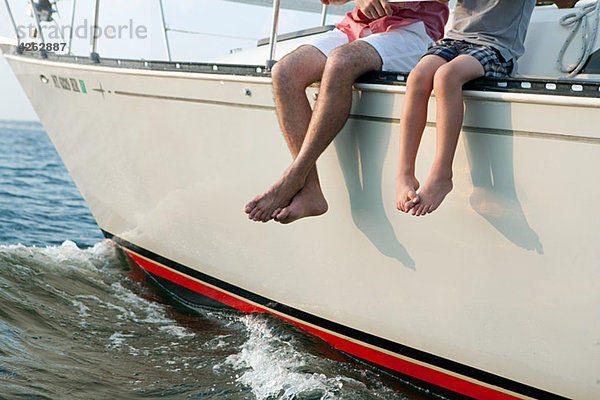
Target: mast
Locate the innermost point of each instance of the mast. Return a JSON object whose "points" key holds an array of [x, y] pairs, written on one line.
{"points": [[73, 7], [94, 50], [38, 27]]}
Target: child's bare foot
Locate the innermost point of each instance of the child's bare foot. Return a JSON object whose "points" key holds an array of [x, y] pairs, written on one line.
{"points": [[431, 196], [262, 207], [406, 192], [309, 202]]}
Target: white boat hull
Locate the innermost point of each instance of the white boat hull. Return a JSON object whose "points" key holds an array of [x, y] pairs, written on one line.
{"points": [[495, 295]]}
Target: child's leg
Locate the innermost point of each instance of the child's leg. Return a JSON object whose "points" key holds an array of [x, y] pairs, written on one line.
{"points": [[412, 124], [447, 86]]}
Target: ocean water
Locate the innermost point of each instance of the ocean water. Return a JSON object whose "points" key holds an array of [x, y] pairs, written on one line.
{"points": [[79, 321]]}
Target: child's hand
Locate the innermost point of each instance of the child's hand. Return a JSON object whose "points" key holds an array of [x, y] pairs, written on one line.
{"points": [[374, 8]]}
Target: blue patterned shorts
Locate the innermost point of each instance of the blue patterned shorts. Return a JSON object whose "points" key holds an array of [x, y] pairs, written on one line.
{"points": [[493, 64]]}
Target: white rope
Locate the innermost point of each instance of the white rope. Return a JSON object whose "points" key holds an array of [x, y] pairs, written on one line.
{"points": [[579, 22]]}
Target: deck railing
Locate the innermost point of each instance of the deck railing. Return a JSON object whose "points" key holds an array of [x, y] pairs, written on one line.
{"points": [[14, 25], [94, 56]]}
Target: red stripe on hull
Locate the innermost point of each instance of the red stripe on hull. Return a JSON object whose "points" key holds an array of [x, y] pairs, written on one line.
{"points": [[405, 367]]}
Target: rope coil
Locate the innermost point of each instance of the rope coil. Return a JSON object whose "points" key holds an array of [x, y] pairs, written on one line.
{"points": [[579, 22]]}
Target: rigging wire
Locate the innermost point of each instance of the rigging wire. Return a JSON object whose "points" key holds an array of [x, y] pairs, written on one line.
{"points": [[579, 22], [210, 34]]}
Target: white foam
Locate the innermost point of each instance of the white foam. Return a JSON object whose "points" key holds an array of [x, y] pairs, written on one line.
{"points": [[117, 340], [270, 366], [81, 308], [66, 256], [89, 297], [177, 331], [217, 342]]}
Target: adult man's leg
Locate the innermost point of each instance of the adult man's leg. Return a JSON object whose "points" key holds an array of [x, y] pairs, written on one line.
{"points": [[346, 63], [291, 76]]}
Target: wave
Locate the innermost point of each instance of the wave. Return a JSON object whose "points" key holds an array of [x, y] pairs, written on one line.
{"points": [[68, 312], [22, 125], [79, 323]]}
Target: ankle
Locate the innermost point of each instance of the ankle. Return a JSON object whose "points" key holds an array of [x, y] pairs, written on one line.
{"points": [[294, 174], [406, 181], [406, 175], [441, 180], [441, 174]]}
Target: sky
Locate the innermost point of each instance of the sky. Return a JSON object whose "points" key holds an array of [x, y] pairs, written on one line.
{"points": [[223, 26]]}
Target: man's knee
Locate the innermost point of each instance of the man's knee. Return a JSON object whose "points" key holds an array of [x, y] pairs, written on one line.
{"points": [[300, 69], [352, 60], [338, 61], [282, 72]]}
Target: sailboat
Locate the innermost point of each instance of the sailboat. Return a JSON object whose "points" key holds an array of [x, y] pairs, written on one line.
{"points": [[494, 296]]}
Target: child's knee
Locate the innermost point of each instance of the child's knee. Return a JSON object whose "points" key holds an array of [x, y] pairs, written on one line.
{"points": [[446, 78], [420, 80]]}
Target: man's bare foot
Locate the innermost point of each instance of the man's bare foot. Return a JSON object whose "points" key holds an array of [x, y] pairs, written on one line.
{"points": [[307, 203], [262, 207], [406, 192], [431, 196]]}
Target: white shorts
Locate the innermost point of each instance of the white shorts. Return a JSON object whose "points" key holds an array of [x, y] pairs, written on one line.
{"points": [[400, 50]]}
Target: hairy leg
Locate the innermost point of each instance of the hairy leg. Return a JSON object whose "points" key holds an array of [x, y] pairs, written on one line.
{"points": [[412, 124], [447, 86], [291, 76], [343, 66]]}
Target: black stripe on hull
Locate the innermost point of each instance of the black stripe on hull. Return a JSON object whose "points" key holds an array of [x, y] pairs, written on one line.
{"points": [[406, 351]]}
